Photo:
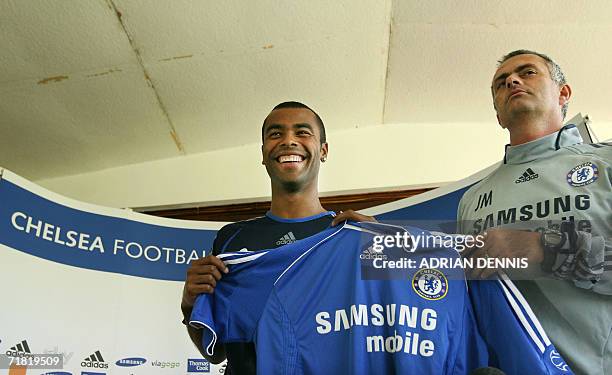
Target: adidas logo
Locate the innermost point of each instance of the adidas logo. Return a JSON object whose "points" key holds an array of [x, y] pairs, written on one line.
{"points": [[369, 250], [94, 361], [528, 175], [19, 349], [370, 253], [286, 239]]}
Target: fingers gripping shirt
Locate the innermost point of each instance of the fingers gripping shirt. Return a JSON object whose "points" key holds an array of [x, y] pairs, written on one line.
{"points": [[313, 307]]}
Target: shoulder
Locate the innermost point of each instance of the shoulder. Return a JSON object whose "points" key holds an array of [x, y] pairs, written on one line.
{"points": [[229, 231], [602, 150], [256, 221], [268, 232]]}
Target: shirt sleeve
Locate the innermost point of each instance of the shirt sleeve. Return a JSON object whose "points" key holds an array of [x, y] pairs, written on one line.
{"points": [[231, 313], [515, 339], [224, 236], [202, 318]]}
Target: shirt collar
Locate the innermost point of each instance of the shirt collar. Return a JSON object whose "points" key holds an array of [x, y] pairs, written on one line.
{"points": [[300, 219], [542, 147]]}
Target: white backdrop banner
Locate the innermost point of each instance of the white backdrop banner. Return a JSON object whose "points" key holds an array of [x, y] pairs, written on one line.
{"points": [[102, 287]]}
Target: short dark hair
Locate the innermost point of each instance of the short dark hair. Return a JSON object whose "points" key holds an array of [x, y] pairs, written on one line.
{"points": [[553, 68], [298, 105]]}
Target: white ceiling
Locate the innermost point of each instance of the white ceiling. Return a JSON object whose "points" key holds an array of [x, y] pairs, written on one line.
{"points": [[92, 84]]}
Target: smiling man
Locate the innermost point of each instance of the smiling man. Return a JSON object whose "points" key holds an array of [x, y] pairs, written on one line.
{"points": [[293, 147], [553, 197]]}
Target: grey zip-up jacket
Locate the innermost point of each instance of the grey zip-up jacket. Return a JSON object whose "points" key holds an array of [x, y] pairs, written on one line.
{"points": [[542, 183]]}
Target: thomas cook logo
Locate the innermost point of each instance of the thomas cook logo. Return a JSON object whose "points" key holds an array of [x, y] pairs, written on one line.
{"points": [[198, 365], [583, 174], [94, 361], [430, 284]]}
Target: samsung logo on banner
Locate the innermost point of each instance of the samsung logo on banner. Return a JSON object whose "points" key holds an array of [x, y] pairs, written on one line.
{"points": [[130, 362]]}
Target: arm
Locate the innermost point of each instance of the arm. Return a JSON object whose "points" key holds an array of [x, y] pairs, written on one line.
{"points": [[585, 259], [581, 258], [202, 277]]}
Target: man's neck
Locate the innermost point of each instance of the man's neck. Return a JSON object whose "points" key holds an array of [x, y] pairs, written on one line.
{"points": [[293, 205], [527, 129]]}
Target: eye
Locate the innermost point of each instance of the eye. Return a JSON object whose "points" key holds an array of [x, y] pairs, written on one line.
{"points": [[274, 135], [498, 85], [303, 132], [528, 72]]}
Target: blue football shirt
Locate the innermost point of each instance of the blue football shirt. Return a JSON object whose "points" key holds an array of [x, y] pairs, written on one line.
{"points": [[319, 306]]}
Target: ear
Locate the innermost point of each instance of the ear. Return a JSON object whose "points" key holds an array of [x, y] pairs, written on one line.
{"points": [[324, 150], [564, 94]]}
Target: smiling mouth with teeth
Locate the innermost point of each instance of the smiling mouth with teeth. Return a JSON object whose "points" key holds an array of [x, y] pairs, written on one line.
{"points": [[290, 159]]}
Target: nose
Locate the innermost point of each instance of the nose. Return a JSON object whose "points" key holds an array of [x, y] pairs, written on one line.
{"points": [[512, 80], [288, 140]]}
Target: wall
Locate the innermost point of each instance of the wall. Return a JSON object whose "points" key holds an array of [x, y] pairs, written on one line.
{"points": [[370, 158]]}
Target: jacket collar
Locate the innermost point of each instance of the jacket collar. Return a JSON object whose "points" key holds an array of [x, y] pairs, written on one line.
{"points": [[542, 147]]}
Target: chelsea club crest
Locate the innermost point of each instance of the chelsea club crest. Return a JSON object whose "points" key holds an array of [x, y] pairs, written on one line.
{"points": [[582, 174], [430, 284]]}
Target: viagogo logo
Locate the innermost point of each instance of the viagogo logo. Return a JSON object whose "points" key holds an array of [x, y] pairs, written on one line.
{"points": [[165, 364]]}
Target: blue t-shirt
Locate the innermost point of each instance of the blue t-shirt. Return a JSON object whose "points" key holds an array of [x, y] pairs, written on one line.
{"points": [[320, 305]]}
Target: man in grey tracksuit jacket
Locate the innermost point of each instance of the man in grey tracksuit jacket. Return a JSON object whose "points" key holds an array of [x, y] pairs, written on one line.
{"points": [[553, 198]]}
